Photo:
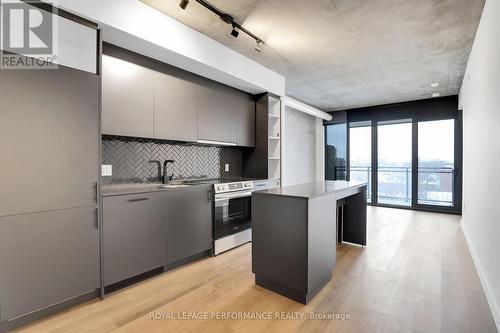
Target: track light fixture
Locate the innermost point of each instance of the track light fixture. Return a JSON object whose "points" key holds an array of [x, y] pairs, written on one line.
{"points": [[235, 32], [227, 18], [258, 46], [183, 4]]}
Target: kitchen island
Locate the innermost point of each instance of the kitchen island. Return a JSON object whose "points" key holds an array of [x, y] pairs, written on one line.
{"points": [[294, 234]]}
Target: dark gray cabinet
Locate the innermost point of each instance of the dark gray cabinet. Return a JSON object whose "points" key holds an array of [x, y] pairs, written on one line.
{"points": [[144, 98], [47, 258], [217, 116], [127, 98], [189, 231], [134, 235], [245, 110], [49, 140], [175, 107]]}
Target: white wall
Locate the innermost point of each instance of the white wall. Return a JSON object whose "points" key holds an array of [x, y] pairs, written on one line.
{"points": [[300, 147], [480, 99], [136, 26]]}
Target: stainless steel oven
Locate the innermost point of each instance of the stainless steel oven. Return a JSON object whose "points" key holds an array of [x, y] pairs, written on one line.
{"points": [[232, 215]]}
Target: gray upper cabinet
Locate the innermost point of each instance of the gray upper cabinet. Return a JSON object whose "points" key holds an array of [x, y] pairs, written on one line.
{"points": [[49, 140], [175, 115], [245, 108], [143, 98], [217, 114], [134, 235], [189, 222], [47, 258], [127, 98]]}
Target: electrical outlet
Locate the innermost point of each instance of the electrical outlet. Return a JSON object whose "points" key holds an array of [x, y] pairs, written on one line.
{"points": [[226, 167], [106, 170]]}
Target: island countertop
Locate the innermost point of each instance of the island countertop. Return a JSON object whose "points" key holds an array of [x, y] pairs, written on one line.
{"points": [[314, 190], [295, 231]]}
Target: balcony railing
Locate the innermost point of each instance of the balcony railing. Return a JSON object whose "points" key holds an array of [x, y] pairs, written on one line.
{"points": [[394, 184]]}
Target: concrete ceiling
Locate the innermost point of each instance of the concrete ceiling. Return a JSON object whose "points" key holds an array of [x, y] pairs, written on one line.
{"points": [[339, 54]]}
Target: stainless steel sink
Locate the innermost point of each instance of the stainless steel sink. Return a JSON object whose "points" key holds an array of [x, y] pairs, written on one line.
{"points": [[174, 185]]}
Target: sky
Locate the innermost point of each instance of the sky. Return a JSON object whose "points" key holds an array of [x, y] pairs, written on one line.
{"points": [[394, 142]]}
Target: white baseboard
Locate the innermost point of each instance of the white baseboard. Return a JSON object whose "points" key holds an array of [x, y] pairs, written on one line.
{"points": [[495, 309]]}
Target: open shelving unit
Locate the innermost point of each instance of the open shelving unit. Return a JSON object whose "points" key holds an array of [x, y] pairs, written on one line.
{"points": [[274, 136], [265, 160]]}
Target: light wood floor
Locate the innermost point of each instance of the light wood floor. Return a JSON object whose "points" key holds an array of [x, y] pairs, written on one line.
{"points": [[416, 275]]}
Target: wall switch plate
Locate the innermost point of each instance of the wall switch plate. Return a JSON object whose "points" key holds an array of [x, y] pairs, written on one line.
{"points": [[106, 170], [226, 167]]}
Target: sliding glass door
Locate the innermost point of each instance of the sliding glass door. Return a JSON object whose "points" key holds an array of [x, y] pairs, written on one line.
{"points": [[436, 163], [405, 163], [360, 154], [394, 163]]}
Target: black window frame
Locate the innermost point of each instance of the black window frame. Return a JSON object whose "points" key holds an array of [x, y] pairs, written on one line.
{"points": [[418, 111]]}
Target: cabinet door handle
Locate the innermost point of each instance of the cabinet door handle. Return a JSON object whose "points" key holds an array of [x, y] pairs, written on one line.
{"points": [[96, 193], [96, 218], [138, 199]]}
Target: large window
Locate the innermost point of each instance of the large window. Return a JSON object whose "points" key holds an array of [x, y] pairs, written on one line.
{"points": [[436, 162], [336, 152], [360, 154], [409, 154], [394, 163]]}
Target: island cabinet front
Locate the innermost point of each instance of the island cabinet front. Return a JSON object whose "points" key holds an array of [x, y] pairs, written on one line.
{"points": [[293, 243]]}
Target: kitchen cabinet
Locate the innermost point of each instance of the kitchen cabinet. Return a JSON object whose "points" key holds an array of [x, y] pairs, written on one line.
{"points": [[189, 211], [217, 116], [49, 140], [47, 258], [245, 109], [175, 116], [127, 98], [134, 235], [144, 98]]}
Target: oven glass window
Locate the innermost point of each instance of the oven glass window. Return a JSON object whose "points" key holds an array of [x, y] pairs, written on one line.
{"points": [[232, 216]]}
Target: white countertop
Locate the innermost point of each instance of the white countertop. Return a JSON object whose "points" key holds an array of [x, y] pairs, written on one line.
{"points": [[312, 190]]}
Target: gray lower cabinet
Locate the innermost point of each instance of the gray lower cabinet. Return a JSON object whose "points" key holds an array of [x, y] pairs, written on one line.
{"points": [[174, 107], [134, 235], [127, 98], [189, 222], [217, 116], [47, 258]]}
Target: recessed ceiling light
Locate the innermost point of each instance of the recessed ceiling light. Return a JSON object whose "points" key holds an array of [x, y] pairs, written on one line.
{"points": [[436, 94], [435, 84]]}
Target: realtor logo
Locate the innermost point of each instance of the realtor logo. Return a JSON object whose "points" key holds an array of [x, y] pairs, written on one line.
{"points": [[28, 34]]}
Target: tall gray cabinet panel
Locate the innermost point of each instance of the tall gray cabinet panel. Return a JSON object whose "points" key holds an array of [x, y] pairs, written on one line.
{"points": [[245, 109], [174, 107], [127, 98], [189, 222], [49, 140], [216, 114], [134, 235], [47, 258]]}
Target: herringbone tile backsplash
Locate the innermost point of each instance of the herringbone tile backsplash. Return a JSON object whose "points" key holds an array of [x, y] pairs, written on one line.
{"points": [[129, 158]]}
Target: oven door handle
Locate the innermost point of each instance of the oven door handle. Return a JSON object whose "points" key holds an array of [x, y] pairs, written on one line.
{"points": [[223, 197]]}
